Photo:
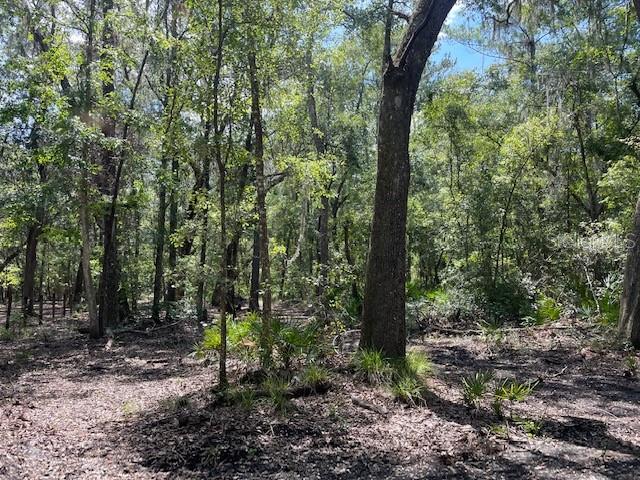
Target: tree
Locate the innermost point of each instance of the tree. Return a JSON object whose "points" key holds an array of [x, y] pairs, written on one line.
{"points": [[383, 315]]}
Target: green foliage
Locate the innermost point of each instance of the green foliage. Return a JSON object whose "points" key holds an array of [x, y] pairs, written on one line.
{"points": [[293, 342], [631, 365], [547, 310], [314, 377], [244, 397], [276, 389], [475, 387], [409, 389], [371, 366]]}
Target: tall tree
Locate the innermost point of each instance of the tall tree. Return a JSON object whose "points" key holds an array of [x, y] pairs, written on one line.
{"points": [[383, 315]]}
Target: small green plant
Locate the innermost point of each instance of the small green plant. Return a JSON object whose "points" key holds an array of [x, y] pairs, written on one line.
{"points": [[511, 391], [292, 342], [631, 365], [276, 389], [8, 334], [547, 310], [245, 397], [129, 408], [475, 386], [492, 329], [314, 377], [416, 364], [532, 428], [371, 366], [499, 430], [410, 390]]}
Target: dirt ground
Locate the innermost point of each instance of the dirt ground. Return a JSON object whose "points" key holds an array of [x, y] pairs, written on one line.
{"points": [[140, 407]]}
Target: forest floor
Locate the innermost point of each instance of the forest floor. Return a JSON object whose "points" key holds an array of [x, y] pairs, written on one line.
{"points": [[139, 406]]}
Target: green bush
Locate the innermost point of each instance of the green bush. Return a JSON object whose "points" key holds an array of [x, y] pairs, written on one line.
{"points": [[547, 310]]}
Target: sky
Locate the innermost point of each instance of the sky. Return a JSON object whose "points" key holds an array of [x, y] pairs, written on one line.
{"points": [[465, 57]]}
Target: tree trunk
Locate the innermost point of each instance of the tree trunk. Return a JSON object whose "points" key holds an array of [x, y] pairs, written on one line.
{"points": [[261, 194], [383, 317], [255, 272], [76, 296], [160, 236], [29, 272], [173, 227], [9, 304], [109, 281], [629, 322], [96, 327]]}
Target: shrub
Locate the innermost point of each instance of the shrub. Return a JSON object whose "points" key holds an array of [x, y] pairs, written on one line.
{"points": [[547, 310], [292, 342]]}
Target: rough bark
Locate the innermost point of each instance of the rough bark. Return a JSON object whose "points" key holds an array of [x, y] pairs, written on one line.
{"points": [[383, 317], [261, 193], [109, 281]]}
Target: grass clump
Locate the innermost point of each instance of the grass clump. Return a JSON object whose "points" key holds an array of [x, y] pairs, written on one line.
{"points": [[315, 378], [410, 390], [371, 366], [547, 310], [276, 388], [244, 397], [174, 404]]}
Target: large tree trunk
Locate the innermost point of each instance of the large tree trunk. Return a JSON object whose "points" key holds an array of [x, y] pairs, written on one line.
{"points": [[261, 194], [109, 278], [383, 316]]}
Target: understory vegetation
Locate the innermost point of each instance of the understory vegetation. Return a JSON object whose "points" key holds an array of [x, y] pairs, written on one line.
{"points": [[331, 210]]}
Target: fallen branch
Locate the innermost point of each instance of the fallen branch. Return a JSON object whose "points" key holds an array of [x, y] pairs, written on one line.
{"points": [[369, 406]]}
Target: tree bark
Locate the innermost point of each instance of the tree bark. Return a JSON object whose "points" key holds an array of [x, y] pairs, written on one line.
{"points": [[109, 281], [261, 194], [254, 289], [158, 276], [96, 328], [383, 317], [9, 303]]}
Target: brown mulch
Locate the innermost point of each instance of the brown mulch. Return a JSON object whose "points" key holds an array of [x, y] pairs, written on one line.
{"points": [[141, 407]]}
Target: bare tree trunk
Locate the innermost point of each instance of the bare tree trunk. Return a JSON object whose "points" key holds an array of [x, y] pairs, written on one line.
{"points": [[173, 227], [261, 194], [255, 272], [383, 317], [96, 328], [160, 237], [9, 304]]}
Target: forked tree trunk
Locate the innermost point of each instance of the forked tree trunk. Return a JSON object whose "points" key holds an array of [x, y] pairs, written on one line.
{"points": [[383, 316]]}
